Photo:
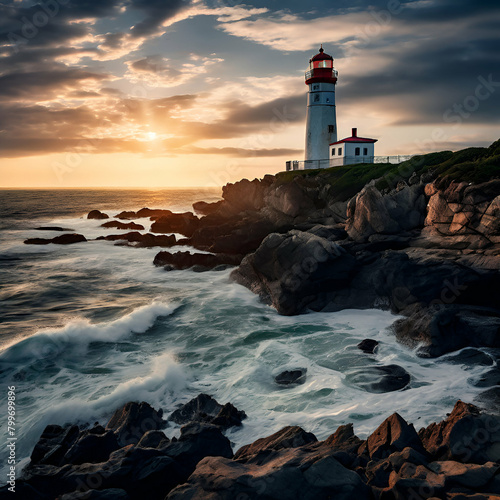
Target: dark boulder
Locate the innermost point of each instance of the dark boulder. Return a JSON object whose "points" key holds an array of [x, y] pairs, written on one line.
{"points": [[53, 444], [379, 379], [290, 377], [204, 408], [185, 223], [122, 225], [64, 239], [368, 346], [204, 208], [196, 410], [126, 214], [448, 328], [142, 240], [133, 420], [92, 448], [228, 416], [294, 271], [97, 214], [187, 260]]}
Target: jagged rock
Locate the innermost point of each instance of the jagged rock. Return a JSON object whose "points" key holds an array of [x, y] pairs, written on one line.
{"points": [[187, 260], [53, 444], [288, 437], [135, 469], [196, 410], [393, 435], [290, 377], [92, 448], [379, 379], [465, 436], [278, 478], [204, 208], [142, 240], [344, 439], [204, 408], [414, 479], [97, 214], [185, 223], [121, 225], [64, 239], [133, 420], [369, 346], [153, 439]]}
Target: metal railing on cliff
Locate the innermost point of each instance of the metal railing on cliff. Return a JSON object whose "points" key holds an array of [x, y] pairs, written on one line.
{"points": [[348, 160]]}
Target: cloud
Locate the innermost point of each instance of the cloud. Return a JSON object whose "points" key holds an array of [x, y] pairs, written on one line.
{"points": [[158, 71]]}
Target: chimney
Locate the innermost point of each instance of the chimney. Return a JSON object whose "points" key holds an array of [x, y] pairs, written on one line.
{"points": [[355, 132]]}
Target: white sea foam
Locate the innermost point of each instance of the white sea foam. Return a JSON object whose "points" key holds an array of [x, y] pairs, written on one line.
{"points": [[81, 332]]}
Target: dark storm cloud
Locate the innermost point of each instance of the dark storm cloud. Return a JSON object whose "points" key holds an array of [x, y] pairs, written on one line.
{"points": [[157, 12], [448, 10], [428, 80], [39, 85]]}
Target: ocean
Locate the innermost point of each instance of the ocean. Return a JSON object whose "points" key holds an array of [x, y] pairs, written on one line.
{"points": [[88, 327]]}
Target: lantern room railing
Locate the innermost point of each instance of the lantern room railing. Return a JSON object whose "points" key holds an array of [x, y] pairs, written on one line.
{"points": [[310, 73]]}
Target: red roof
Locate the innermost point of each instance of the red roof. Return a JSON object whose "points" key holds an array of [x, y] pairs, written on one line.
{"points": [[322, 56], [354, 138]]}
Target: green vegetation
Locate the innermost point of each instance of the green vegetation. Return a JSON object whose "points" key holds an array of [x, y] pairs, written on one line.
{"points": [[474, 165]]}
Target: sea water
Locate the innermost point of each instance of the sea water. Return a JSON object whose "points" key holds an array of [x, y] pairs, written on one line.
{"points": [[90, 326]]}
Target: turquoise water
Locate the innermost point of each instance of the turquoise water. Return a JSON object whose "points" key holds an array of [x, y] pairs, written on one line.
{"points": [[88, 327]]}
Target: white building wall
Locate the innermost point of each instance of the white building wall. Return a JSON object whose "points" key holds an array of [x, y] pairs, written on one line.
{"points": [[321, 114], [349, 156]]}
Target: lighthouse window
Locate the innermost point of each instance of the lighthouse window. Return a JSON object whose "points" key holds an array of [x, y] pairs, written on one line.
{"points": [[331, 129], [340, 151], [365, 151], [357, 151], [316, 98], [315, 87]]}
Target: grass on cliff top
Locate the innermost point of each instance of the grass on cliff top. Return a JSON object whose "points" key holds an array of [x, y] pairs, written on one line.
{"points": [[474, 165]]}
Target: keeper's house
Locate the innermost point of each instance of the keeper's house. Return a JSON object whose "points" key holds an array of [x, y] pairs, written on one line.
{"points": [[352, 150]]}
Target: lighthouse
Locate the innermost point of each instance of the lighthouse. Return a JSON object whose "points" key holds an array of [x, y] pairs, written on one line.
{"points": [[321, 126]]}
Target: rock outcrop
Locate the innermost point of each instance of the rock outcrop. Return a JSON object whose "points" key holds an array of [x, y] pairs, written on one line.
{"points": [[458, 456], [64, 239]]}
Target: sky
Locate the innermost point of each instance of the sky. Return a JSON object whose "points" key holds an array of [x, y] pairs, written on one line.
{"points": [[170, 93]]}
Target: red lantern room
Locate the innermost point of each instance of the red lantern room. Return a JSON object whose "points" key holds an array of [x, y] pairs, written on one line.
{"points": [[321, 69]]}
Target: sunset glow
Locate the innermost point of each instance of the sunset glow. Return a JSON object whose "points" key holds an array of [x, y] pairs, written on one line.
{"points": [[197, 92]]}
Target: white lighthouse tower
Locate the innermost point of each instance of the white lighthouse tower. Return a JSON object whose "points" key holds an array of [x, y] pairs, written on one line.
{"points": [[321, 127]]}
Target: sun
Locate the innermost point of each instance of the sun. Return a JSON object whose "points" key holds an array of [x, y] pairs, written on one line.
{"points": [[151, 136]]}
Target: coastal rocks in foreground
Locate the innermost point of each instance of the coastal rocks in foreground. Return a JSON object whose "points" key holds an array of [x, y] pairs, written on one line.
{"points": [[457, 456], [64, 239], [395, 462]]}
